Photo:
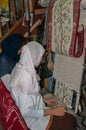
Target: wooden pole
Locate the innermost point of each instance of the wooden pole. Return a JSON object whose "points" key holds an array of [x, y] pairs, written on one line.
{"points": [[17, 23]]}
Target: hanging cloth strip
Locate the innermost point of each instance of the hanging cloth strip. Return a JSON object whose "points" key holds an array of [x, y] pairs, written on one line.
{"points": [[77, 39], [49, 25], [78, 47], [62, 27]]}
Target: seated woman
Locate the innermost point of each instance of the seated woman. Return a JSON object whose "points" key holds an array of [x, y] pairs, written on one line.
{"points": [[25, 90], [9, 55]]}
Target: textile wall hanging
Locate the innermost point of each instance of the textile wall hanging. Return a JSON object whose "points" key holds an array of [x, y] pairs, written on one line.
{"points": [[43, 3], [83, 4], [62, 27]]}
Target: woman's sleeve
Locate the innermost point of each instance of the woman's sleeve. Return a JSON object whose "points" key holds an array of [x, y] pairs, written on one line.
{"points": [[27, 108], [25, 101]]}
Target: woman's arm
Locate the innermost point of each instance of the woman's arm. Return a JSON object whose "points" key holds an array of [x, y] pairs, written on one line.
{"points": [[27, 108], [50, 101], [59, 111]]}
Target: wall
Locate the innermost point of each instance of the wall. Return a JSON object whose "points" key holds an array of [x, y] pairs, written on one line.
{"points": [[4, 7]]}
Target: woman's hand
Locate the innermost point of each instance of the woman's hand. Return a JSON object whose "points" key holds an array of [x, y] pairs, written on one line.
{"points": [[59, 111], [50, 65], [50, 101]]}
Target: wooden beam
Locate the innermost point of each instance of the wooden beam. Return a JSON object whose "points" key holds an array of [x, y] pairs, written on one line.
{"points": [[17, 23], [40, 11]]}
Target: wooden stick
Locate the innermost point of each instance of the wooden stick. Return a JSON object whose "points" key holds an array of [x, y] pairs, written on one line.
{"points": [[35, 25], [40, 11]]}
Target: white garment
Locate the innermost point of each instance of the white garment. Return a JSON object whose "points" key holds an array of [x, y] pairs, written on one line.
{"points": [[24, 87], [6, 79], [23, 76]]}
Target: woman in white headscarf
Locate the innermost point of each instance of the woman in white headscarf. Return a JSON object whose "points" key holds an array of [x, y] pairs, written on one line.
{"points": [[25, 90]]}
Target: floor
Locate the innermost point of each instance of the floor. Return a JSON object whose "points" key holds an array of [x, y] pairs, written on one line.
{"points": [[80, 127]]}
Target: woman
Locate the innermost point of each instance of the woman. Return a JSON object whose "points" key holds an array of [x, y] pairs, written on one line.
{"points": [[9, 55], [25, 90]]}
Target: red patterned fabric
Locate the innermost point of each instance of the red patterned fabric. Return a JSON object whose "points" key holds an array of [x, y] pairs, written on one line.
{"points": [[10, 117]]}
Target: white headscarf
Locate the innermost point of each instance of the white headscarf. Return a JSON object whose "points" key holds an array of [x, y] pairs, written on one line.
{"points": [[23, 76]]}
